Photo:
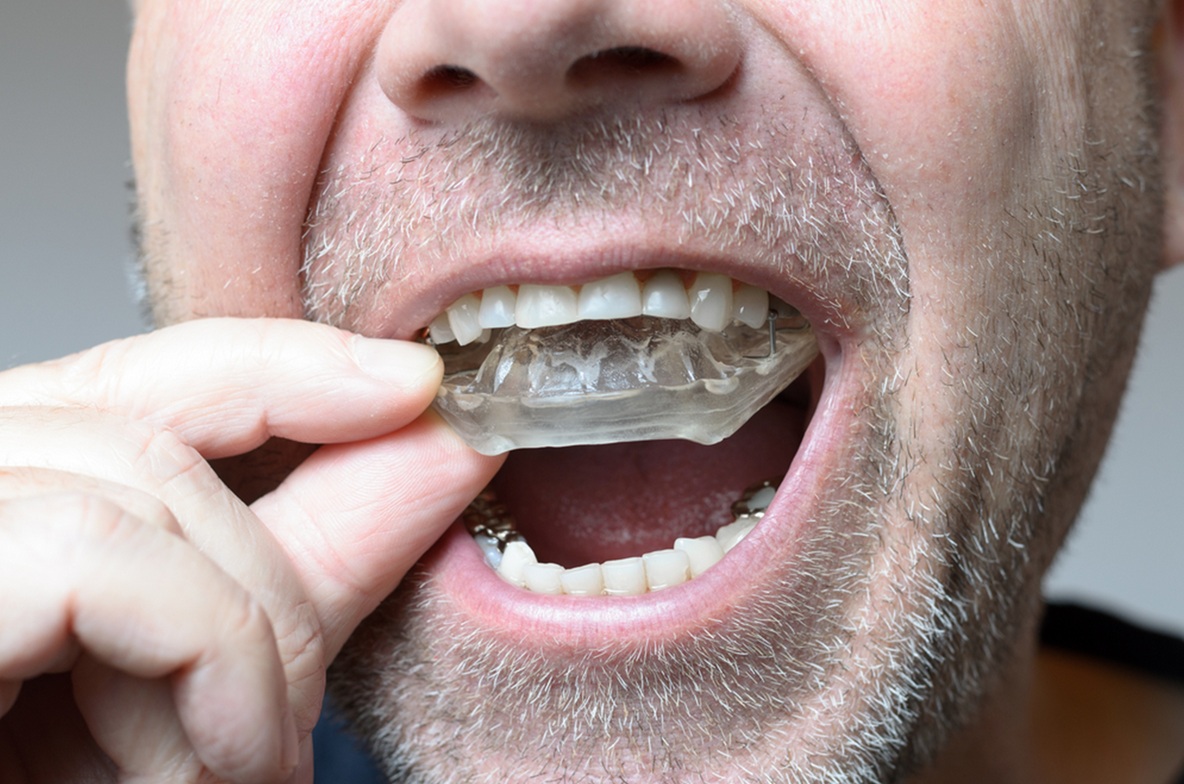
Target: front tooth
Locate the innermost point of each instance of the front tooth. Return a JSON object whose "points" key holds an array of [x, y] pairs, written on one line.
{"points": [[624, 577], [543, 578], [618, 296], [462, 318], [439, 330], [514, 560], [751, 306], [664, 296], [497, 307], [711, 301], [666, 568], [702, 552], [732, 534], [545, 306], [587, 580]]}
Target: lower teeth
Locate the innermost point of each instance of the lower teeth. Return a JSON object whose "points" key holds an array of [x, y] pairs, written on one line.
{"points": [[600, 382], [512, 558]]}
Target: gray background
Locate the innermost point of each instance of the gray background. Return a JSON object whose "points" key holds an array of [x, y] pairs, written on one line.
{"points": [[65, 250]]}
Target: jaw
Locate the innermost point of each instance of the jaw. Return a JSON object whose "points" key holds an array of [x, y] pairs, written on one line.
{"points": [[751, 658], [464, 674]]}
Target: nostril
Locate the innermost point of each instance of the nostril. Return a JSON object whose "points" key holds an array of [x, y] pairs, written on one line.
{"points": [[636, 58], [622, 61], [444, 80]]}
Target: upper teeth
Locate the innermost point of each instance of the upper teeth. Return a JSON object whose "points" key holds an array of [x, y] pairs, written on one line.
{"points": [[712, 302]]}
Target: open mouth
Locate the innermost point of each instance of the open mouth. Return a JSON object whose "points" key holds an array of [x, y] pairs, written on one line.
{"points": [[615, 372]]}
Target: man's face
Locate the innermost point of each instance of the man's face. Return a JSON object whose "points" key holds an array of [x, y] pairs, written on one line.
{"points": [[962, 199]]}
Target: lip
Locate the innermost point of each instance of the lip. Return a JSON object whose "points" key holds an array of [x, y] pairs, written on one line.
{"points": [[563, 623]]}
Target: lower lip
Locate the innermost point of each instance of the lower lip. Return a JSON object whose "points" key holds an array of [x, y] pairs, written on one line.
{"points": [[564, 622]]}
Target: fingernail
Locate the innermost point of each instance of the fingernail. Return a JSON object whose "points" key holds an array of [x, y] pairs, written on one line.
{"points": [[396, 361]]}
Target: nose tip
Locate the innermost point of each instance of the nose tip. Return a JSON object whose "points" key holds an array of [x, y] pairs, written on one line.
{"points": [[541, 60]]}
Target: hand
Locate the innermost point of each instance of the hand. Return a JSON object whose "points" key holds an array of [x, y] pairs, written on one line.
{"points": [[191, 632]]}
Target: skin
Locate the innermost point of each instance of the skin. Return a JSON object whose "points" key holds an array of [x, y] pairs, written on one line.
{"points": [[977, 332]]}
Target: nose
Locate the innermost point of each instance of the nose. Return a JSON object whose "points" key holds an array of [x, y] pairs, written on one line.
{"points": [[542, 60]]}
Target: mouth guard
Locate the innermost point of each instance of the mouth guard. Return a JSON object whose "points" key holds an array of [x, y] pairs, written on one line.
{"points": [[603, 382]]}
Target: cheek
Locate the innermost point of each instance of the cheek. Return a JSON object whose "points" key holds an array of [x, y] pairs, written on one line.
{"points": [[234, 104], [973, 118], [965, 112], [942, 99]]}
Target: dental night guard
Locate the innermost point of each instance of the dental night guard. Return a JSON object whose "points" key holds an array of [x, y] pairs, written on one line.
{"points": [[635, 378]]}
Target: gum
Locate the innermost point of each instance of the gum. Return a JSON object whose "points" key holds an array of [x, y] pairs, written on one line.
{"points": [[601, 382]]}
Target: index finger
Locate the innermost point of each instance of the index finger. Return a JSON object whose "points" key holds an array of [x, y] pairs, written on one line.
{"points": [[354, 518], [227, 385]]}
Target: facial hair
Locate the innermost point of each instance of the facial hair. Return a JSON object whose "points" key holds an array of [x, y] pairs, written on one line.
{"points": [[924, 564]]}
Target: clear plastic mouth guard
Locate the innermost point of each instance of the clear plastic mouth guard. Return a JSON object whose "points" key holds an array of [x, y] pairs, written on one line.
{"points": [[601, 382]]}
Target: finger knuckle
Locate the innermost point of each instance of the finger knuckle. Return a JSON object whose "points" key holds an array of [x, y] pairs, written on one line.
{"points": [[165, 456], [302, 652], [88, 517], [20, 477], [157, 513], [95, 374], [66, 529], [18, 482], [245, 617], [237, 755]]}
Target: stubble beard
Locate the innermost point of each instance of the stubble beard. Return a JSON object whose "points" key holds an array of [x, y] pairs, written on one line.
{"points": [[911, 592]]}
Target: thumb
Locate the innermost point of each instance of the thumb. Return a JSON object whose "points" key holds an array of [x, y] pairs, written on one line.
{"points": [[354, 518]]}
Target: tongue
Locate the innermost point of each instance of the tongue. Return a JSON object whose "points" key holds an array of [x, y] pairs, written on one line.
{"points": [[579, 505]]}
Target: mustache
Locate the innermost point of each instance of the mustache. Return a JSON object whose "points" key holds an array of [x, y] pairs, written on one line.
{"points": [[797, 196]]}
